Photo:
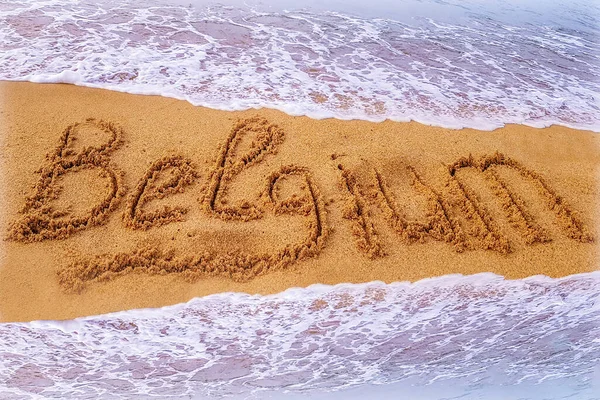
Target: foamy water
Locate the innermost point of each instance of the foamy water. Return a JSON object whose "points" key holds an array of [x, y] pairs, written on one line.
{"points": [[454, 64], [452, 337]]}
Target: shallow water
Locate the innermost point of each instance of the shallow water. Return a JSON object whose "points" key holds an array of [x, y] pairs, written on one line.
{"points": [[478, 336], [447, 63]]}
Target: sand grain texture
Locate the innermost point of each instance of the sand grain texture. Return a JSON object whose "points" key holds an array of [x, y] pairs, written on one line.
{"points": [[114, 201]]}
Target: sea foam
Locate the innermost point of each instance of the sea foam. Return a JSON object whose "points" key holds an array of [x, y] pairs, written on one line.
{"points": [[469, 336], [481, 68]]}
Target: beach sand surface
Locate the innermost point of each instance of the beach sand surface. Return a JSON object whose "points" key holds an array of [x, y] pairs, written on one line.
{"points": [[112, 201]]}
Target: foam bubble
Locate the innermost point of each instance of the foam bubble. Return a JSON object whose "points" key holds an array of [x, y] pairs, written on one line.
{"points": [[62, 77]]}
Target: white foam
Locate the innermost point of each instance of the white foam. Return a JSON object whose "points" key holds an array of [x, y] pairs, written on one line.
{"points": [[62, 77], [480, 334], [479, 73]]}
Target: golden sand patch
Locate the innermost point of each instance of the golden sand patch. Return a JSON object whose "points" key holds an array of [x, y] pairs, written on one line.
{"points": [[443, 211], [144, 201]]}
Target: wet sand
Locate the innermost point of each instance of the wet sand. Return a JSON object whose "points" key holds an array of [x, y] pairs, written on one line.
{"points": [[114, 201]]}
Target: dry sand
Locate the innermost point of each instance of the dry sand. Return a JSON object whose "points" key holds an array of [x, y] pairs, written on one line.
{"points": [[113, 201]]}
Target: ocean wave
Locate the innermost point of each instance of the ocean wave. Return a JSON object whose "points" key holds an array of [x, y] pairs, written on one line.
{"points": [[456, 335], [479, 71]]}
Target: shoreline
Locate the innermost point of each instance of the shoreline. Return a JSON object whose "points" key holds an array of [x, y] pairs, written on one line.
{"points": [[340, 225], [326, 289], [59, 79]]}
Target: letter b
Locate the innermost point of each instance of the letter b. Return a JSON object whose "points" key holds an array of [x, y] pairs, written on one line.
{"points": [[39, 219]]}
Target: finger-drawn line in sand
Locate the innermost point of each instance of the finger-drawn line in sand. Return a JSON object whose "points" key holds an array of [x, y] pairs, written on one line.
{"points": [[442, 218], [356, 211], [183, 173], [238, 266], [439, 223], [513, 205], [515, 210], [39, 219], [484, 227], [310, 205], [229, 164]]}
